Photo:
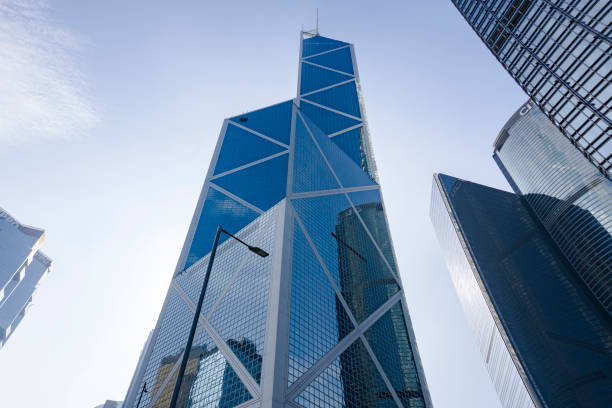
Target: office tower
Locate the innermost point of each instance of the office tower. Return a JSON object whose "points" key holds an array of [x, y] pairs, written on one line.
{"points": [[569, 196], [22, 266], [560, 53], [322, 321], [545, 339]]}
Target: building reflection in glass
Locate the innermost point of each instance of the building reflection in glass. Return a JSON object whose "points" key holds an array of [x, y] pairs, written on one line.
{"points": [[209, 379], [362, 282], [541, 331]]}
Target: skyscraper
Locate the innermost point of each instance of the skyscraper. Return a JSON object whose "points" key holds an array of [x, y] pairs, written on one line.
{"points": [[22, 266], [322, 321], [545, 340], [572, 200], [560, 53]]}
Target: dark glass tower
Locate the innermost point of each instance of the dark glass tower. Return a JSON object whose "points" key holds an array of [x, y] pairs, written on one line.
{"points": [[322, 321], [572, 200], [545, 339], [560, 53]]}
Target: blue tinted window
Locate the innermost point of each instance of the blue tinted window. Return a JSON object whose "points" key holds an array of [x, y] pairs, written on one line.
{"points": [[318, 319], [350, 143], [241, 147], [352, 380], [342, 98], [313, 78], [209, 379], [371, 210], [340, 60], [349, 173], [390, 343], [218, 209], [349, 254], [262, 185], [328, 121], [273, 121], [317, 44], [240, 316], [310, 170]]}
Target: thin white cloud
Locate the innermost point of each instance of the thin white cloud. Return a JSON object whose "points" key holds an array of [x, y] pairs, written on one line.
{"points": [[42, 93]]}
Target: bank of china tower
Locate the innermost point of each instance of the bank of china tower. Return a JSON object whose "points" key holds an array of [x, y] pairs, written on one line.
{"points": [[322, 321]]}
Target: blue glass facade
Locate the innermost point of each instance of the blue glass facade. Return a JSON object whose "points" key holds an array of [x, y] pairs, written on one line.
{"points": [[560, 53], [569, 196], [545, 340], [321, 322]]}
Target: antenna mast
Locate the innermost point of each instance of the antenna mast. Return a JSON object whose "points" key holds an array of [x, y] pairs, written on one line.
{"points": [[317, 30]]}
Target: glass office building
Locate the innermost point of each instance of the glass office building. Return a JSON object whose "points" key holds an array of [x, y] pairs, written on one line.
{"points": [[569, 196], [322, 321], [545, 340], [560, 53], [22, 266]]}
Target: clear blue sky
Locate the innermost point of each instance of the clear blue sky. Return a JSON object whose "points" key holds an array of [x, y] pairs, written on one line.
{"points": [[109, 112]]}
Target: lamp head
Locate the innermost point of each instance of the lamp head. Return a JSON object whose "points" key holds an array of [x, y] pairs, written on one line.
{"points": [[258, 251]]}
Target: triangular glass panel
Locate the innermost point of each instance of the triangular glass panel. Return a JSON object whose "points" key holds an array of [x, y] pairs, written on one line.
{"points": [[209, 379], [448, 182], [350, 143], [318, 320], [313, 78], [310, 172], [317, 44], [167, 351], [370, 207], [328, 121], [241, 147], [342, 98], [273, 121], [349, 173], [218, 209], [240, 315], [390, 343], [341, 60], [351, 380], [262, 185], [355, 264]]}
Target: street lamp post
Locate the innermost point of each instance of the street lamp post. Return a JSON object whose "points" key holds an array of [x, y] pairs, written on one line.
{"points": [[144, 389], [196, 316]]}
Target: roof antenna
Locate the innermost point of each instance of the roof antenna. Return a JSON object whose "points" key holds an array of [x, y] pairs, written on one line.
{"points": [[317, 30]]}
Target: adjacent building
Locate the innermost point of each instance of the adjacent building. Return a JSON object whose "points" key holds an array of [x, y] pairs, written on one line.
{"points": [[569, 196], [544, 337], [560, 53], [22, 266], [322, 321]]}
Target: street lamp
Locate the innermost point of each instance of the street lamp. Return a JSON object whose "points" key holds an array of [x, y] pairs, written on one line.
{"points": [[196, 316], [144, 389]]}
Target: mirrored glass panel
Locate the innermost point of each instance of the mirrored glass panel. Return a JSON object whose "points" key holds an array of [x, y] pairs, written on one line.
{"points": [[341, 60], [273, 121], [241, 147], [352, 380], [261, 185], [342, 98], [318, 319]]}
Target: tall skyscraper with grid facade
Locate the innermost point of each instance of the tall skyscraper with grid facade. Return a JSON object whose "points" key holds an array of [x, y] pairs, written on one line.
{"points": [[544, 338], [560, 53], [571, 199], [322, 321]]}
